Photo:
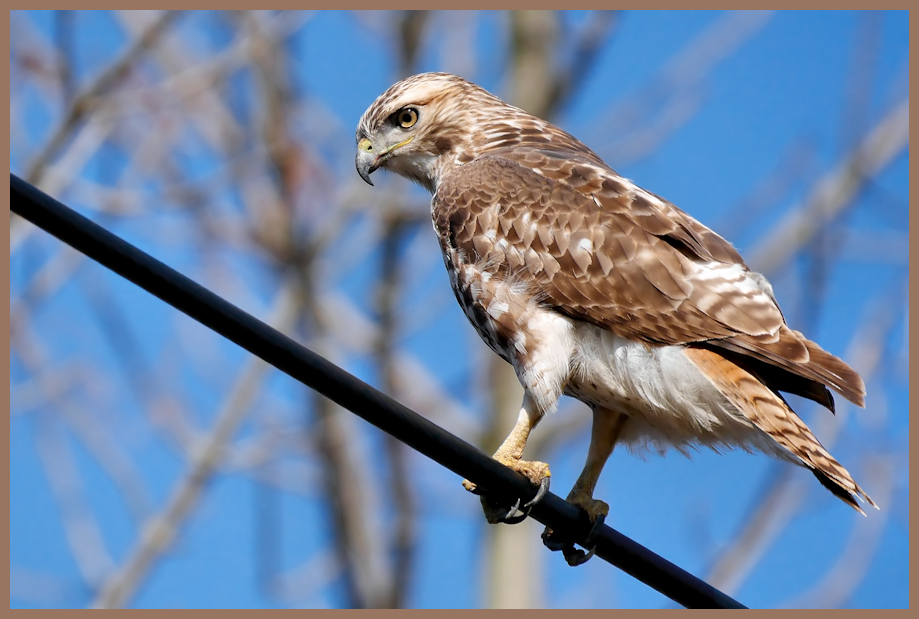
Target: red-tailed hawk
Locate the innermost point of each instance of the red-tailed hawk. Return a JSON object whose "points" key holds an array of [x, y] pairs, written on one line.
{"points": [[593, 287]]}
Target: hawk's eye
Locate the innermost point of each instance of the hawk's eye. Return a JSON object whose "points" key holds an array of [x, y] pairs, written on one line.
{"points": [[407, 117]]}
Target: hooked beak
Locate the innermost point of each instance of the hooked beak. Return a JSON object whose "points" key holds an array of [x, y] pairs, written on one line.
{"points": [[366, 163], [368, 159]]}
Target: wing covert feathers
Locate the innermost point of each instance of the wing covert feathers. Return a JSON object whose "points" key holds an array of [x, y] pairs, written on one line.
{"points": [[769, 412], [601, 250]]}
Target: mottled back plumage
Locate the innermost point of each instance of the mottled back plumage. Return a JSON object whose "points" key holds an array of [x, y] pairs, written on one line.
{"points": [[551, 253]]}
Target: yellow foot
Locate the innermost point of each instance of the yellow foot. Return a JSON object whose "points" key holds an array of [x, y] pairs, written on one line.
{"points": [[537, 472], [596, 511], [534, 471], [595, 508]]}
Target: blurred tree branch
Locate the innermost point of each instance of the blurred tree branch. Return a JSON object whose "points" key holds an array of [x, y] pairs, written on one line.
{"points": [[834, 192], [639, 123], [159, 532], [86, 101]]}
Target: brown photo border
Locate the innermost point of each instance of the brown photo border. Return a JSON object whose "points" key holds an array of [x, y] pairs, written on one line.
{"points": [[365, 5]]}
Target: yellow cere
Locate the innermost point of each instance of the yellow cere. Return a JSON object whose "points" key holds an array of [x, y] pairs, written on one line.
{"points": [[365, 145]]}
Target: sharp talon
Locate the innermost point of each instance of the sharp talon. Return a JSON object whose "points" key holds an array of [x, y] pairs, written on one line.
{"points": [[594, 532], [576, 557], [540, 494], [510, 518], [495, 510]]}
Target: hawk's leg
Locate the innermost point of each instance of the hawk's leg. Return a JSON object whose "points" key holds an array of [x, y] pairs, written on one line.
{"points": [[509, 454], [606, 429]]}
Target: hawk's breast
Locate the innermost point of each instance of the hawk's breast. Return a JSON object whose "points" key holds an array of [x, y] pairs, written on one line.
{"points": [[496, 309]]}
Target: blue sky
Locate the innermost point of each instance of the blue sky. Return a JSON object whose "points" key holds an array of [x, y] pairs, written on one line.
{"points": [[782, 94]]}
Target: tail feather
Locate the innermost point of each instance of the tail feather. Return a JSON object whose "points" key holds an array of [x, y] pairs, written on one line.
{"points": [[769, 412], [839, 491], [780, 379], [838, 374], [792, 354]]}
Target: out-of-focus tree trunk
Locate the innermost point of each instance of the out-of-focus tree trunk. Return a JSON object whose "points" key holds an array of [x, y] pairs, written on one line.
{"points": [[538, 83], [513, 571], [514, 567]]}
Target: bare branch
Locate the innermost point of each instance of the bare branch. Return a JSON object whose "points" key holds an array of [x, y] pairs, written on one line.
{"points": [[81, 106], [411, 28], [88, 100], [83, 533], [63, 31], [160, 530], [834, 192], [52, 275], [56, 395], [308, 578], [403, 543], [590, 42], [645, 118], [841, 581]]}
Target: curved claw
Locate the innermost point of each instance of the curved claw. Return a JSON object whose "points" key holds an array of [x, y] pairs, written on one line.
{"points": [[575, 556], [540, 494], [513, 518], [591, 540]]}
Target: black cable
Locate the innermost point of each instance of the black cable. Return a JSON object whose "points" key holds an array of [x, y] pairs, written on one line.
{"points": [[331, 381]]}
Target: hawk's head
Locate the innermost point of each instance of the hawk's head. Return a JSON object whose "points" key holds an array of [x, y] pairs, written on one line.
{"points": [[412, 126]]}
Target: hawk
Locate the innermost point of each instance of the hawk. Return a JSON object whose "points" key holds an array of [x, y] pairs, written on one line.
{"points": [[592, 287]]}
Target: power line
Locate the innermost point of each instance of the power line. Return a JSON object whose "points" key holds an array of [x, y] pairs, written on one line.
{"points": [[348, 391]]}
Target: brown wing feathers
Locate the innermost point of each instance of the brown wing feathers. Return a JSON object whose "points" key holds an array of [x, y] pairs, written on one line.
{"points": [[630, 264], [755, 332], [605, 253], [769, 412]]}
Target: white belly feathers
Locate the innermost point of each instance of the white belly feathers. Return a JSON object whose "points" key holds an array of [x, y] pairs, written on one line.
{"points": [[669, 402]]}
